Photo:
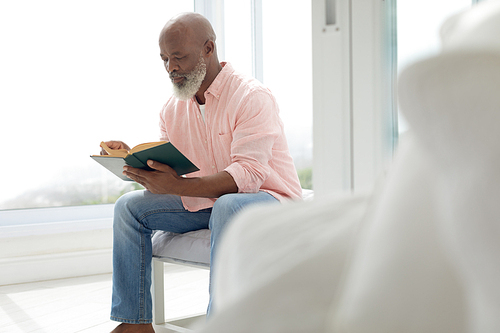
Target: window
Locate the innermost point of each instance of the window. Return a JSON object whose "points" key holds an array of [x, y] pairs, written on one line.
{"points": [[286, 64], [238, 35], [287, 71], [72, 74], [76, 73]]}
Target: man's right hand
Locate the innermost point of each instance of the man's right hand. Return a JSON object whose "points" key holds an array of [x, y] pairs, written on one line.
{"points": [[115, 145]]}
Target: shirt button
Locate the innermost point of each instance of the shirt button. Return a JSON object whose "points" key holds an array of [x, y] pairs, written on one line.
{"points": [[213, 166]]}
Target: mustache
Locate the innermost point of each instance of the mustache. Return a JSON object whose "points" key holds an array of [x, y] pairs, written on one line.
{"points": [[174, 75]]}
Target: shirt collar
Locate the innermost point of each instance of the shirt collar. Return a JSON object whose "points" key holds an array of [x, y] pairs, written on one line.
{"points": [[220, 80]]}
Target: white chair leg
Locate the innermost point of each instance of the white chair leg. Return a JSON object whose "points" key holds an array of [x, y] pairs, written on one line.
{"points": [[158, 293]]}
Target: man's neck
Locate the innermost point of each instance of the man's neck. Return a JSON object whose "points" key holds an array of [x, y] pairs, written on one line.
{"points": [[198, 100], [209, 78]]}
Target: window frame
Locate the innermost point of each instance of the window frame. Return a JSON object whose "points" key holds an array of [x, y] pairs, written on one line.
{"points": [[354, 128]]}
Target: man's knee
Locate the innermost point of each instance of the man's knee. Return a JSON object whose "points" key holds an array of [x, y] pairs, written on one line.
{"points": [[227, 203], [224, 208], [124, 206], [126, 200]]}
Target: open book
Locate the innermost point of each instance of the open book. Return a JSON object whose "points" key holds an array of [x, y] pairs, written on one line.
{"points": [[162, 151]]}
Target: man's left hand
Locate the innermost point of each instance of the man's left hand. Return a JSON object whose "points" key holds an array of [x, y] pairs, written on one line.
{"points": [[162, 180]]}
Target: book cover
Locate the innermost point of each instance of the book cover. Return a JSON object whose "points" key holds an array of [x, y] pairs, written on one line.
{"points": [[163, 152]]}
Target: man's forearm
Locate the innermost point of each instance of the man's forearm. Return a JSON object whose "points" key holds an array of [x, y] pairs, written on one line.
{"points": [[212, 186], [164, 180]]}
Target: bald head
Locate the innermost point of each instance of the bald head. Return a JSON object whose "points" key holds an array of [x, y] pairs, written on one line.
{"points": [[187, 48], [190, 27]]}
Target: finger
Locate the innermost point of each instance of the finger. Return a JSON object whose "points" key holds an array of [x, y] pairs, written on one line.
{"points": [[142, 177], [155, 165], [160, 166], [114, 144], [135, 171], [137, 178], [117, 145]]}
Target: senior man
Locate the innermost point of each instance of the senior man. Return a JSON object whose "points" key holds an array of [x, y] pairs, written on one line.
{"points": [[226, 124]]}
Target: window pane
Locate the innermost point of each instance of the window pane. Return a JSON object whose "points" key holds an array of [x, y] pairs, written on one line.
{"points": [[288, 73], [418, 29], [72, 74], [238, 35]]}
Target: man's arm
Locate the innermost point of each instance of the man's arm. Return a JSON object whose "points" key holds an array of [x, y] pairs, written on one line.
{"points": [[164, 180]]}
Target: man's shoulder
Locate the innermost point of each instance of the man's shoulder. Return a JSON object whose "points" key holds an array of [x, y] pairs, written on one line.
{"points": [[238, 81]]}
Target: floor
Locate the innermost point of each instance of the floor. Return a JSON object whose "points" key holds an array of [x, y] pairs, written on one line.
{"points": [[83, 304]]}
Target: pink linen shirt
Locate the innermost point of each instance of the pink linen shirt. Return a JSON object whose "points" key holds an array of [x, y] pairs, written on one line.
{"points": [[242, 134]]}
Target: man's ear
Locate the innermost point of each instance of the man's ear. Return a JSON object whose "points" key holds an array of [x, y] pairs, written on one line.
{"points": [[209, 48]]}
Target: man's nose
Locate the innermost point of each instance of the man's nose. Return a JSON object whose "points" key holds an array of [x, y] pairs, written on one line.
{"points": [[171, 66]]}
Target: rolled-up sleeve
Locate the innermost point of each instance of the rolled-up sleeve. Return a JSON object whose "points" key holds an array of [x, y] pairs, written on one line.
{"points": [[256, 129]]}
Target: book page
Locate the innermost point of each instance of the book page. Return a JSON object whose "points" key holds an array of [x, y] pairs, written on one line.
{"points": [[144, 146], [124, 153]]}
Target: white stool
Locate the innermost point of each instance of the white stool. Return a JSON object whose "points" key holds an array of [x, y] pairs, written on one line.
{"points": [[190, 249]]}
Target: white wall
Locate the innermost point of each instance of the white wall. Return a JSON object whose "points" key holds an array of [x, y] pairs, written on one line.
{"points": [[53, 243]]}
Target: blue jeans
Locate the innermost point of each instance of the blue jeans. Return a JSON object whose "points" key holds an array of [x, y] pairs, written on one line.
{"points": [[137, 214]]}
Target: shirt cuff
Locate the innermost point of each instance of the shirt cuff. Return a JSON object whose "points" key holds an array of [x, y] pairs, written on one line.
{"points": [[245, 182]]}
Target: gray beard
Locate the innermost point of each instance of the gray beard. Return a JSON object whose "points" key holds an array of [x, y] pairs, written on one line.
{"points": [[192, 82]]}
